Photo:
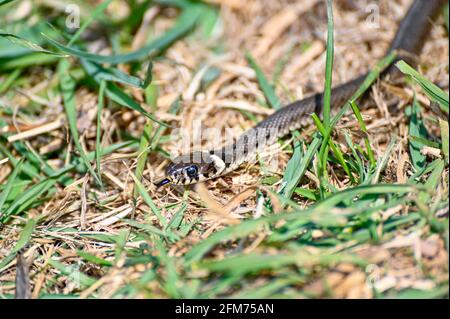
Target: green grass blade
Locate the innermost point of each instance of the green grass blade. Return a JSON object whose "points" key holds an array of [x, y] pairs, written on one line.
{"points": [[98, 10], [445, 138], [73, 273], [383, 161], [9, 184], [266, 87], [423, 141], [28, 44], [432, 182], [172, 280], [350, 193], [177, 217], [148, 200], [25, 236], [253, 263], [151, 94], [362, 125], [27, 198], [5, 85], [336, 150], [328, 66], [94, 259], [115, 75], [435, 93], [25, 61], [297, 166], [33, 158], [436, 293], [28, 169], [118, 95], [67, 85], [323, 208], [2, 2], [100, 105], [184, 24]]}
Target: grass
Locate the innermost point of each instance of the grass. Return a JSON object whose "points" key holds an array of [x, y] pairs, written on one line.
{"points": [[357, 193]]}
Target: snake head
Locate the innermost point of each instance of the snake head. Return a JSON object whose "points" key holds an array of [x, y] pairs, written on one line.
{"points": [[192, 168]]}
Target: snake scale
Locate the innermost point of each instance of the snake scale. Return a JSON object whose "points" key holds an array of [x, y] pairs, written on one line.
{"points": [[203, 165]]}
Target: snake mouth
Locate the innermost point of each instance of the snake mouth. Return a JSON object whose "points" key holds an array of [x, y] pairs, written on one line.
{"points": [[162, 182]]}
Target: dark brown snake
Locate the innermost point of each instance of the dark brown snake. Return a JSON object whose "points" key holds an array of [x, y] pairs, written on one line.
{"points": [[203, 165]]}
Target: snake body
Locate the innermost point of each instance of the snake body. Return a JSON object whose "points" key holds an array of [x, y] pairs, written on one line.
{"points": [[202, 165]]}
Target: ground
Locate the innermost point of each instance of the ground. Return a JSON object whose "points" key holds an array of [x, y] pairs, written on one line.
{"points": [[80, 150]]}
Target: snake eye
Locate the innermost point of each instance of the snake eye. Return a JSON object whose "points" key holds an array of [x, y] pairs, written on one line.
{"points": [[192, 171]]}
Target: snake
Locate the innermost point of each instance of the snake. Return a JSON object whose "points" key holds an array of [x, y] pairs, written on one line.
{"points": [[203, 165]]}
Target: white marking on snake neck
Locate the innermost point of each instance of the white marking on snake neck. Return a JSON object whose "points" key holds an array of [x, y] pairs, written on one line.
{"points": [[219, 164]]}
